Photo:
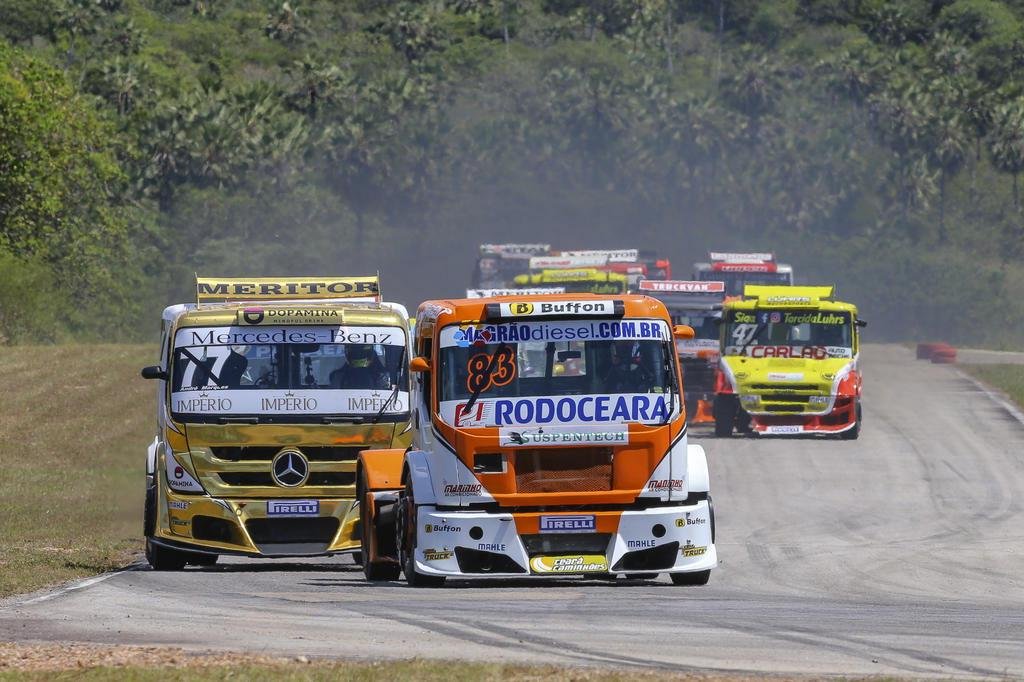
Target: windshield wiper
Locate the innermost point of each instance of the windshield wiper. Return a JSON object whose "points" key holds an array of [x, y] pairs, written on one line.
{"points": [[342, 419], [238, 420], [485, 380], [394, 392]]}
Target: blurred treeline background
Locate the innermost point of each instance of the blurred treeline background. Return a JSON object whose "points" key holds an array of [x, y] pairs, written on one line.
{"points": [[870, 143]]}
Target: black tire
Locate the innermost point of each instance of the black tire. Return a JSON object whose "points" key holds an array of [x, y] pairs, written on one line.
{"points": [[164, 559], [854, 433], [694, 578], [724, 409], [406, 533], [159, 558], [357, 558], [711, 514], [376, 571], [202, 559]]}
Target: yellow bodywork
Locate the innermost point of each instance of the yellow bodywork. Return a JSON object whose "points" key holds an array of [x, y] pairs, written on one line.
{"points": [[785, 385], [577, 280]]}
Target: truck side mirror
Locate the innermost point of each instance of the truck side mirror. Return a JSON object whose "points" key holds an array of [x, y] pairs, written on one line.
{"points": [[861, 323], [683, 331], [419, 364], [154, 372]]}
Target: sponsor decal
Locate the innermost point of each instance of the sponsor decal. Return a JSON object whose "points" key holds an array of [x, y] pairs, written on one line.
{"points": [[301, 401], [455, 490], [179, 522], [534, 291], [437, 554], [784, 428], [666, 485], [733, 256], [640, 544], [491, 547], [800, 352], [613, 255], [568, 523], [788, 299], [441, 528], [516, 332], [570, 409], [691, 550], [556, 262], [180, 505], [744, 267], [515, 249], [179, 473], [288, 315], [548, 308], [690, 521], [681, 286], [581, 435], [785, 376], [478, 415], [191, 337], [291, 508], [583, 563], [221, 289]]}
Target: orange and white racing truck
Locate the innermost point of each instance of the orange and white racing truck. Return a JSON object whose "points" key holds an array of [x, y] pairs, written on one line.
{"points": [[740, 269], [549, 439], [698, 305]]}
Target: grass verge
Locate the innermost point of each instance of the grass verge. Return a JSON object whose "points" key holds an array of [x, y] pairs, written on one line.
{"points": [[75, 421], [1007, 378], [166, 664]]}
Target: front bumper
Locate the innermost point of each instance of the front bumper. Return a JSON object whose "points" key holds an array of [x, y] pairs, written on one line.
{"points": [[478, 544], [840, 416], [242, 526]]}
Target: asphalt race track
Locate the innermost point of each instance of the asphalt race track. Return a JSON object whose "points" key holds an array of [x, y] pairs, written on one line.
{"points": [[901, 553]]}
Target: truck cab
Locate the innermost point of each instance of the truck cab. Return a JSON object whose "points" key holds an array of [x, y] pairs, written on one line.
{"points": [[267, 389], [738, 270], [549, 439], [790, 364]]}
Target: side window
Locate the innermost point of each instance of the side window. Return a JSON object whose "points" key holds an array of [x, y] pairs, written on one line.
{"points": [[427, 387]]}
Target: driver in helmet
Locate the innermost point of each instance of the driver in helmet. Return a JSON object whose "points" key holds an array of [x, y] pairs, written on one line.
{"points": [[627, 373], [362, 369]]}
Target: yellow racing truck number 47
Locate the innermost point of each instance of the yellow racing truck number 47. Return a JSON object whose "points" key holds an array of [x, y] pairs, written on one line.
{"points": [[268, 390], [789, 364]]}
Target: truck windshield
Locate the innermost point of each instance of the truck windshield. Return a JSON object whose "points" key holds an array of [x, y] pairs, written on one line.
{"points": [[557, 372], [289, 373], [735, 281], [808, 334]]}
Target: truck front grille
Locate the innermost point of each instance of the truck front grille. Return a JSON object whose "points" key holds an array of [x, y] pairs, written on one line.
{"points": [[566, 543], [550, 470], [265, 453]]}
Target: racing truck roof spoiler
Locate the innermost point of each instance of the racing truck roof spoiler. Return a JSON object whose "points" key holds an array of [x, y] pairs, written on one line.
{"points": [[282, 289], [611, 255], [734, 257], [514, 250], [535, 291], [788, 295]]}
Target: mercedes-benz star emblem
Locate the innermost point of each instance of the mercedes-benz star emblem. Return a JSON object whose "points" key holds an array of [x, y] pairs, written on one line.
{"points": [[290, 468]]}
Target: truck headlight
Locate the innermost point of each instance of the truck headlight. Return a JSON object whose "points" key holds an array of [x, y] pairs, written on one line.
{"points": [[750, 400], [818, 400]]}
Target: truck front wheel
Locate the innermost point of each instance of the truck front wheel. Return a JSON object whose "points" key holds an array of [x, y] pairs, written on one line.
{"points": [[160, 558], [406, 540]]}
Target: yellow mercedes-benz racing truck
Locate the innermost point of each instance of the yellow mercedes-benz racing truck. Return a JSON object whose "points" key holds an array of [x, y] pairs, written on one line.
{"points": [[789, 364], [267, 391]]}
